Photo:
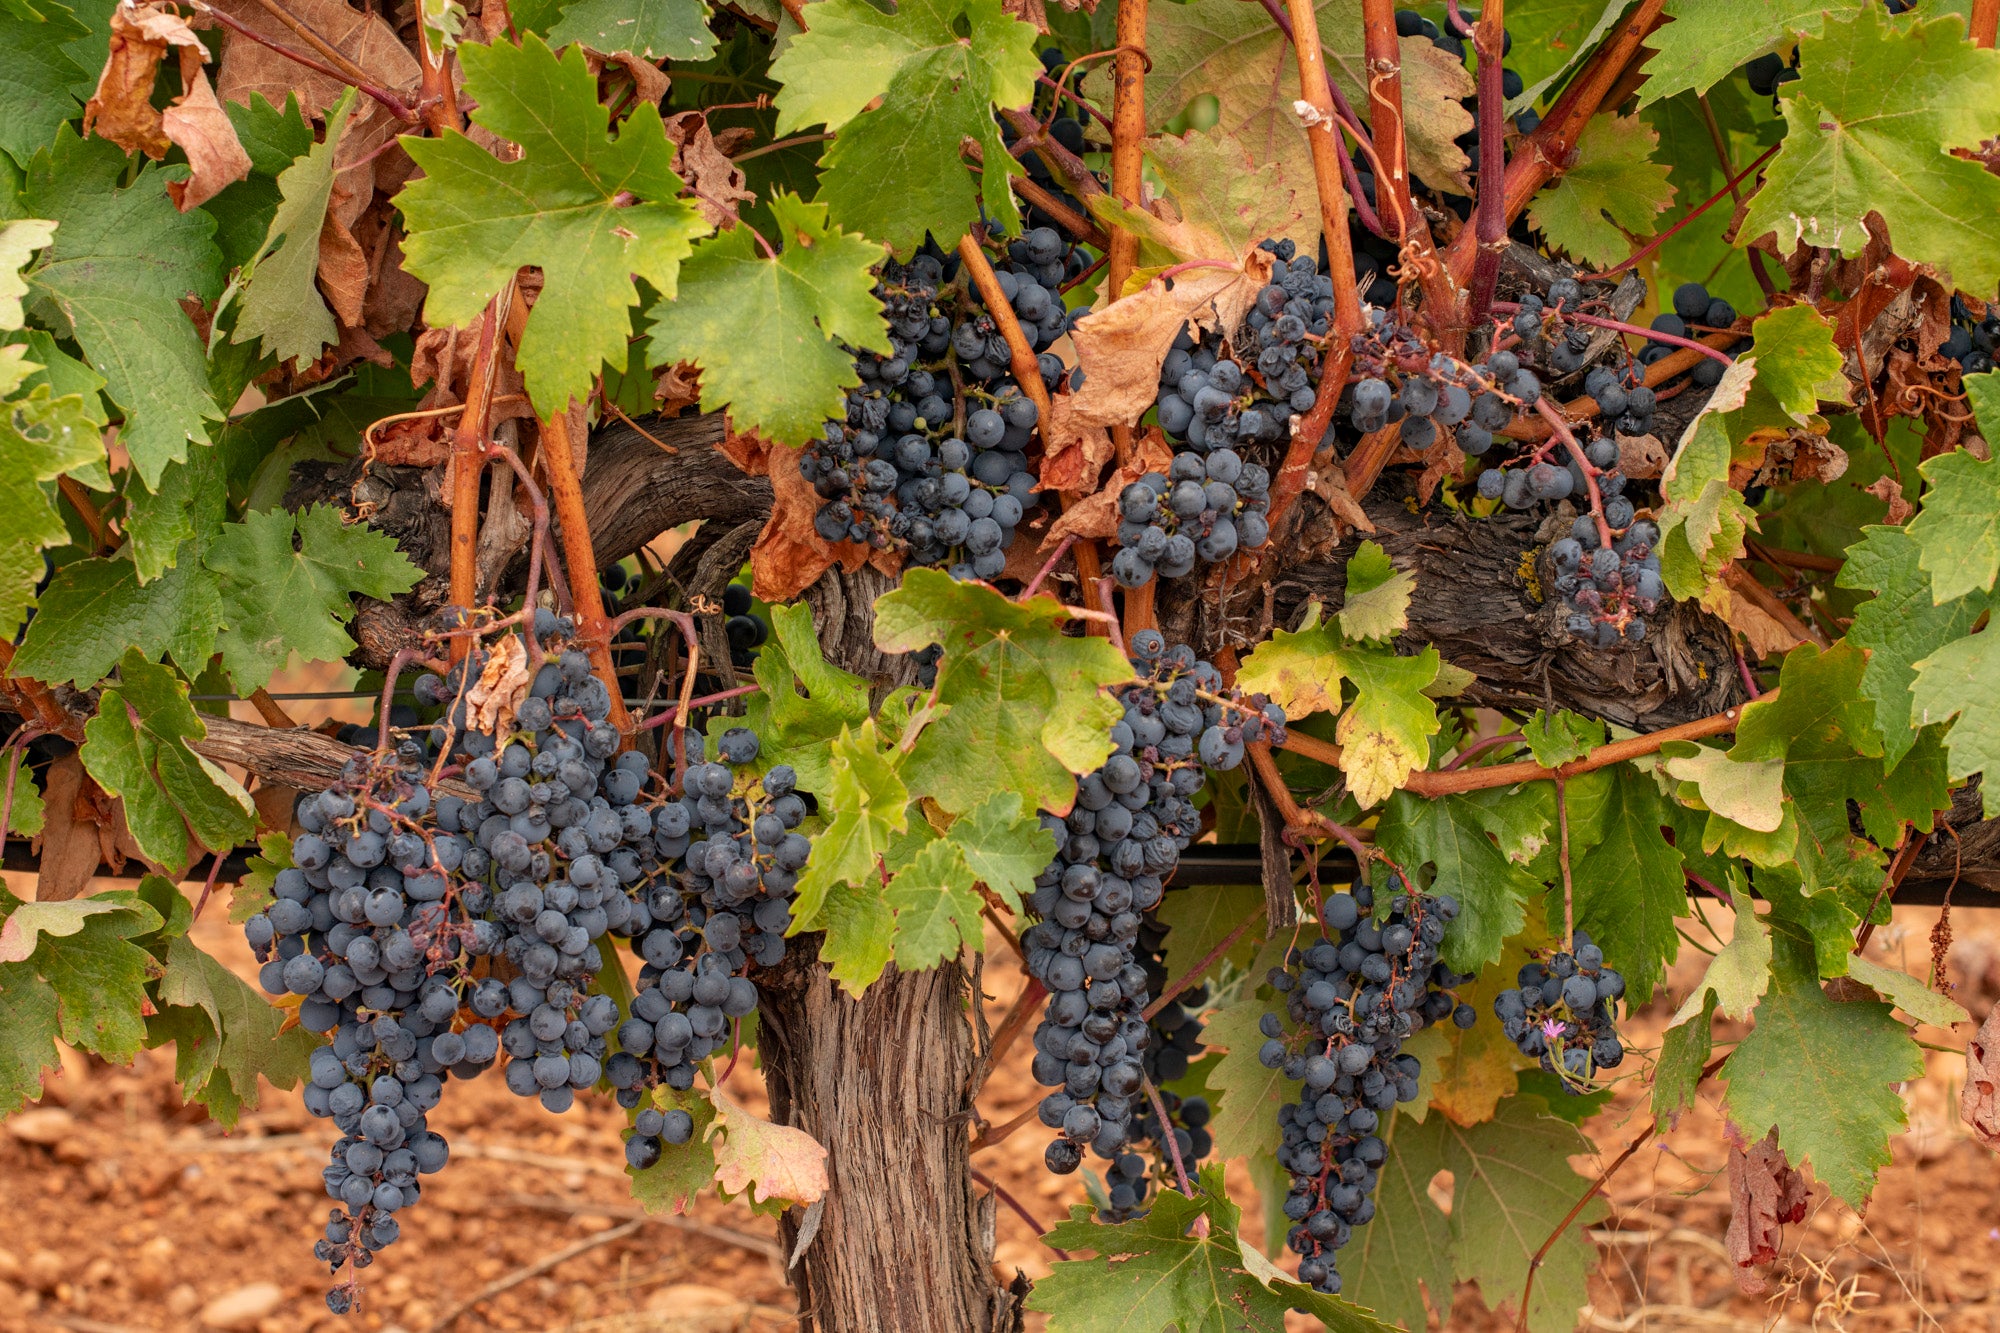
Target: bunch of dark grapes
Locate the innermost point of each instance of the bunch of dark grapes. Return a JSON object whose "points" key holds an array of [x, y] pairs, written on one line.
{"points": [[736, 859], [1695, 312], [1173, 1043], [1430, 396], [1563, 1014], [1973, 343], [1353, 997], [918, 465], [401, 908], [1132, 819], [1609, 587]]}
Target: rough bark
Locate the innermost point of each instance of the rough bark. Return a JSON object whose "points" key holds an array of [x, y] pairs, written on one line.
{"points": [[904, 1243]]}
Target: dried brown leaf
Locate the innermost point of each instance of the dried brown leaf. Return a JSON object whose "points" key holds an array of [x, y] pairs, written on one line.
{"points": [[1641, 457], [1076, 451], [678, 386], [1765, 1194], [716, 181], [1096, 516], [1979, 1099], [1122, 346], [1330, 484], [790, 555], [121, 109], [501, 689], [343, 270], [1890, 492], [1764, 634]]}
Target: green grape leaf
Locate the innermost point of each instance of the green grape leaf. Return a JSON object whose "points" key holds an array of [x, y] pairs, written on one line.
{"points": [[1957, 532], [249, 1040], [1870, 125], [652, 30], [122, 260], [1511, 1185], [870, 802], [1706, 43], [1004, 846], [1684, 1053], [1385, 732], [685, 1169], [1455, 836], [1907, 993], [475, 220], [803, 703], [278, 600], [38, 81], [137, 748], [1558, 738], [19, 240], [281, 304], [27, 813], [1153, 1273], [1628, 887], [1550, 37], [932, 73], [1026, 706], [764, 331], [95, 609], [936, 907], [1377, 604], [1613, 192], [1957, 681], [41, 437], [1823, 1073], [186, 507], [1245, 1094], [69, 971], [257, 889], [1902, 623]]}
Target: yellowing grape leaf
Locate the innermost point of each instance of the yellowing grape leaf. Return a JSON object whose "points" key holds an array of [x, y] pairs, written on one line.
{"points": [[18, 242], [1870, 125], [589, 208], [1609, 195], [774, 1163], [1377, 604], [1746, 792]]}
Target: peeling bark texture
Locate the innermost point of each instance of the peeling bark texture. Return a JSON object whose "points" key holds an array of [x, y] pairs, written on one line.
{"points": [[843, 608], [905, 1244], [1478, 601], [1964, 851]]}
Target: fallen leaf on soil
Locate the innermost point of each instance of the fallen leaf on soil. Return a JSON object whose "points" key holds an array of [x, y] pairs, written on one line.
{"points": [[1765, 1193], [772, 1161]]}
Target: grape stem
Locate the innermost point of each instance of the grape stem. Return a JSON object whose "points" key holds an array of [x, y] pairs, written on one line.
{"points": [[1899, 868], [1350, 177], [1727, 191], [995, 1134], [1020, 353], [1583, 463], [1490, 222], [1598, 322], [16, 748], [1472, 752], [1200, 1227], [1194, 974], [1603, 1178], [1010, 1028], [1015, 1204], [1062, 549], [1569, 888], [685, 623]]}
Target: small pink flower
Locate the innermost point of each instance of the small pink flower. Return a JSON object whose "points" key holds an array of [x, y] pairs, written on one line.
{"points": [[1553, 1028]]}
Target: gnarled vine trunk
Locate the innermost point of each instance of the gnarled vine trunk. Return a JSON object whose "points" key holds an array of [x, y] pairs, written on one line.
{"points": [[903, 1242]]}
